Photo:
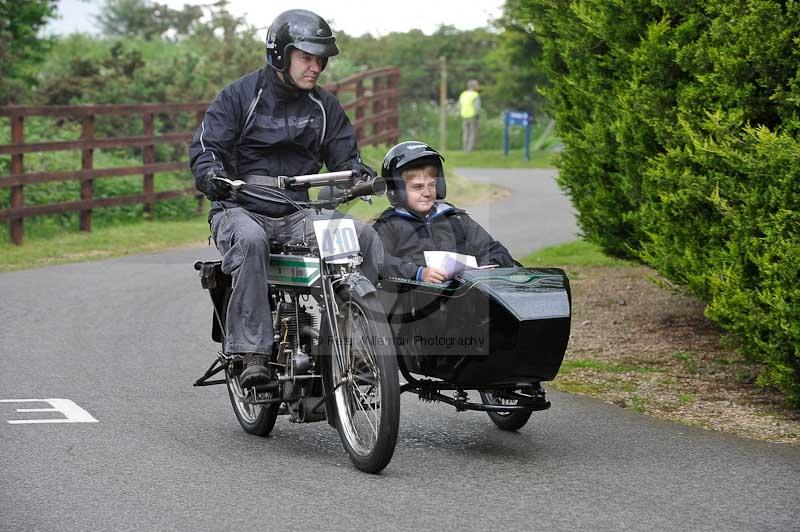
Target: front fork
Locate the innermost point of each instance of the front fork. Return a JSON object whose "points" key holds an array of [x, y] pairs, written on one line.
{"points": [[331, 315]]}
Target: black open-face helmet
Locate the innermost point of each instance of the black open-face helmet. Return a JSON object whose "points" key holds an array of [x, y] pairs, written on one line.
{"points": [[301, 29], [403, 156]]}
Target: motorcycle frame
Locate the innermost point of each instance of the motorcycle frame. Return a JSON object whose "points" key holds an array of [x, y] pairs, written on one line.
{"points": [[342, 271]]}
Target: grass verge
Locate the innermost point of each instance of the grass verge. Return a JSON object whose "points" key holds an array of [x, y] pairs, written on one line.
{"points": [[107, 242], [577, 253]]}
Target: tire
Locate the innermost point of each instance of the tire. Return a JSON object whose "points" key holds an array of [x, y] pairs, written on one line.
{"points": [[254, 419], [510, 421], [367, 404]]}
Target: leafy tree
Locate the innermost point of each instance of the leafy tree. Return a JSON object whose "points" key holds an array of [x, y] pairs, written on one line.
{"points": [[518, 77], [147, 19], [83, 69], [21, 48], [417, 55], [217, 50]]}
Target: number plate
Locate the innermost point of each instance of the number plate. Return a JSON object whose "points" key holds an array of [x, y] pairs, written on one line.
{"points": [[336, 238]]}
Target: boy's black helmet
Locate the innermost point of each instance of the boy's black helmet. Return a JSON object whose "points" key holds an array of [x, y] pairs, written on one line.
{"points": [[404, 155], [301, 29]]}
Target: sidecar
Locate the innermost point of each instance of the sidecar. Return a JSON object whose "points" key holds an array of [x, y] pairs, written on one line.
{"points": [[500, 331]]}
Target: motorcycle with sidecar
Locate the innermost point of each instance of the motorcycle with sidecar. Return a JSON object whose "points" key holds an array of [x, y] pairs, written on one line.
{"points": [[340, 341]]}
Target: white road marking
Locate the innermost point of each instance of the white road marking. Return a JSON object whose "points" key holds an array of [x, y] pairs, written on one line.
{"points": [[72, 412]]}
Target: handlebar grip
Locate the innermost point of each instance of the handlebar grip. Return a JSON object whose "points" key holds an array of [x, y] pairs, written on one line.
{"points": [[373, 187]]}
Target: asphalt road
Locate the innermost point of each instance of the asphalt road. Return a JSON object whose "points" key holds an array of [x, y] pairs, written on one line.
{"points": [[536, 213], [122, 340]]}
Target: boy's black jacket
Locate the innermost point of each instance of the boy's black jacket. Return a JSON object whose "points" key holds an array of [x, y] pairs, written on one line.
{"points": [[405, 236]]}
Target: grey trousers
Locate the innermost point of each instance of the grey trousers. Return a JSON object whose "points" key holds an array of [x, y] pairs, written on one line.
{"points": [[469, 133], [242, 238]]}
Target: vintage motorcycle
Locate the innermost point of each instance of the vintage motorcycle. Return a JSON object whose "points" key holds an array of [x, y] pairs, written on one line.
{"points": [[340, 341], [332, 351]]}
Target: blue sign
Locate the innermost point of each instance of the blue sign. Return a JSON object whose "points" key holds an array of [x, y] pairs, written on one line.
{"points": [[517, 118]]}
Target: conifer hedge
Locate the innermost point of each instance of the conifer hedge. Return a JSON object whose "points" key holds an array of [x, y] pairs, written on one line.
{"points": [[681, 121]]}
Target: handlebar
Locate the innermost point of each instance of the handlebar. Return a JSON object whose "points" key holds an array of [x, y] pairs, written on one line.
{"points": [[375, 186], [300, 181], [318, 180], [343, 180]]}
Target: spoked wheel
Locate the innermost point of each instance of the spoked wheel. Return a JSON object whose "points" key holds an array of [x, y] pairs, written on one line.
{"points": [[367, 393], [254, 419], [505, 420]]}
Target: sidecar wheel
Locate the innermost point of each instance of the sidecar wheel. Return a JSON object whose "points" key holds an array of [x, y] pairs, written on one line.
{"points": [[505, 420], [254, 419], [367, 400]]}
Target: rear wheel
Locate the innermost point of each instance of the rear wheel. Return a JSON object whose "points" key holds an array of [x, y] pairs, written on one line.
{"points": [[505, 420], [254, 419], [367, 393]]}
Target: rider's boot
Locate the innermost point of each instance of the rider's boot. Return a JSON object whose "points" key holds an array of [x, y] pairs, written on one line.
{"points": [[256, 371]]}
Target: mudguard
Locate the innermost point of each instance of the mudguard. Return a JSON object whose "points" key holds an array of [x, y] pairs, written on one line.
{"points": [[359, 284], [218, 284]]}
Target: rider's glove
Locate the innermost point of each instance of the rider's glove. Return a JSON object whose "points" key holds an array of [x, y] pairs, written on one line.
{"points": [[361, 171], [214, 189]]}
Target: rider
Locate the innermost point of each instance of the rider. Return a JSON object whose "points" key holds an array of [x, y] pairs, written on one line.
{"points": [[420, 221], [272, 122]]}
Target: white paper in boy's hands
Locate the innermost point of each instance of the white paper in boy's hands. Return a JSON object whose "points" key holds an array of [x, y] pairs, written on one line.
{"points": [[450, 262]]}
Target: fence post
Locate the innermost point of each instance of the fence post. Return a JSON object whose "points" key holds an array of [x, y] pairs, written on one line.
{"points": [[359, 108], [394, 122], [378, 126], [87, 163], [443, 103], [17, 195], [149, 156], [200, 197]]}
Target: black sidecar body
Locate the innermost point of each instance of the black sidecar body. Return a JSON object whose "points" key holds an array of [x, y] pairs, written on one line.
{"points": [[486, 329]]}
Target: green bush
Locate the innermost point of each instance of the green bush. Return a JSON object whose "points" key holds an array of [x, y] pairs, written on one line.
{"points": [[740, 247], [680, 121]]}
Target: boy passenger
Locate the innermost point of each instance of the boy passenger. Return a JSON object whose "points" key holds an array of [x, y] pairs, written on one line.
{"points": [[419, 220]]}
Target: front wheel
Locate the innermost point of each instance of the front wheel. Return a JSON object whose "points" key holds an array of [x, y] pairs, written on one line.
{"points": [[254, 419], [366, 397]]}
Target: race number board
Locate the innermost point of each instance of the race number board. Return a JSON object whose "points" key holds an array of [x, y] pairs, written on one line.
{"points": [[336, 238]]}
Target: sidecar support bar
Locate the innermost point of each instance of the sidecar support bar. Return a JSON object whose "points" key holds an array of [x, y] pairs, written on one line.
{"points": [[429, 390], [461, 405]]}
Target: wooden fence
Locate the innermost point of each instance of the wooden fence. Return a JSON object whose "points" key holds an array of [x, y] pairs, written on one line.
{"points": [[370, 99]]}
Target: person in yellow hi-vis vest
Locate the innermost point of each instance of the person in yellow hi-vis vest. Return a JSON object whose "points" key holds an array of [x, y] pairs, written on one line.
{"points": [[470, 103]]}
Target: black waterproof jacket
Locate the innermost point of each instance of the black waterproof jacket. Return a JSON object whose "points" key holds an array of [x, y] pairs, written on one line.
{"points": [[258, 125], [406, 236]]}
